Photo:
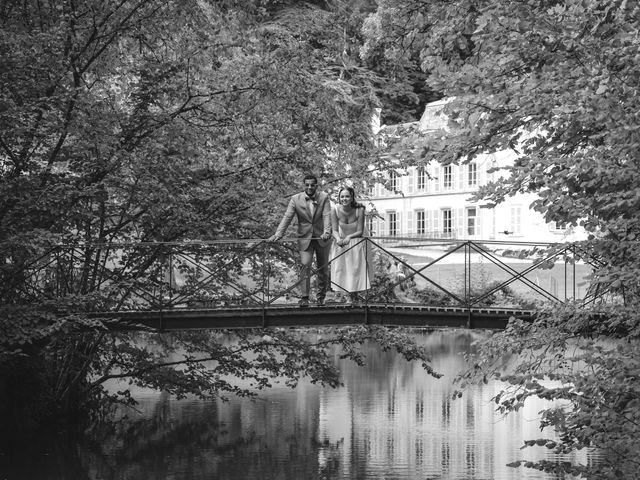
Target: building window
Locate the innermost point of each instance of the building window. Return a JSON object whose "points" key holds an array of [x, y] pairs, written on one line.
{"points": [[369, 225], [473, 175], [516, 219], [393, 182], [371, 189], [422, 179], [392, 222], [447, 221], [471, 220], [448, 176], [421, 222]]}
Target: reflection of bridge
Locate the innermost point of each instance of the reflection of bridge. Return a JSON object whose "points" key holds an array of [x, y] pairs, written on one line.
{"points": [[252, 283]]}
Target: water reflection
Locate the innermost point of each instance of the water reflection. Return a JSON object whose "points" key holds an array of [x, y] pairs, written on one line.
{"points": [[405, 424], [390, 420]]}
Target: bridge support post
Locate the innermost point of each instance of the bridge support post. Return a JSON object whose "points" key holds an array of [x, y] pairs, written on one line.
{"points": [[266, 272], [573, 251], [467, 281], [467, 274], [160, 328], [565, 276]]}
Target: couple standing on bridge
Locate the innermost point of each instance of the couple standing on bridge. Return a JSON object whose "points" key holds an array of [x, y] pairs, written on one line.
{"points": [[318, 224]]}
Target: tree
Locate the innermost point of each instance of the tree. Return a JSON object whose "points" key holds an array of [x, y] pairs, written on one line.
{"points": [[156, 121], [557, 83]]}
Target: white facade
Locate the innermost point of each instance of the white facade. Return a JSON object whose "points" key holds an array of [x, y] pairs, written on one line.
{"points": [[434, 202]]}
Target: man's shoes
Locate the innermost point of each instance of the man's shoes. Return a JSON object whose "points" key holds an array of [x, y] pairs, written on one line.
{"points": [[303, 302], [320, 301]]}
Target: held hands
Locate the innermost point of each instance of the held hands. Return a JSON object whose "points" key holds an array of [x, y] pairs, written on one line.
{"points": [[325, 236]]}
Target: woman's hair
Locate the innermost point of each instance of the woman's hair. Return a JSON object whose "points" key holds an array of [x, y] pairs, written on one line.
{"points": [[354, 204]]}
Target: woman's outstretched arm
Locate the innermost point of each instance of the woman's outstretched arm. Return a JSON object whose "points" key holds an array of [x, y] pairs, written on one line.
{"points": [[335, 226]]}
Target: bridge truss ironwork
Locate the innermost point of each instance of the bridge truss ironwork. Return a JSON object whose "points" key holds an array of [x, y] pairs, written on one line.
{"points": [[227, 275]]}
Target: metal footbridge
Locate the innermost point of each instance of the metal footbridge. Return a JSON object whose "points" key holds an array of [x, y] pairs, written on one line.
{"points": [[227, 284]]}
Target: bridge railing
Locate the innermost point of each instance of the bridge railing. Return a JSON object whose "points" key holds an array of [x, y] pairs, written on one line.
{"points": [[256, 273]]}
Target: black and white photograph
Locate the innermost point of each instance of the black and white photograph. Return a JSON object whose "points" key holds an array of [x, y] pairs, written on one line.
{"points": [[319, 240]]}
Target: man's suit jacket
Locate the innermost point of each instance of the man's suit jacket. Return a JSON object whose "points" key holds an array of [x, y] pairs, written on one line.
{"points": [[308, 226]]}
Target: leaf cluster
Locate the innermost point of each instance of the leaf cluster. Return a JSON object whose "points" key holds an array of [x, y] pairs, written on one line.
{"points": [[586, 366], [142, 121], [556, 83]]}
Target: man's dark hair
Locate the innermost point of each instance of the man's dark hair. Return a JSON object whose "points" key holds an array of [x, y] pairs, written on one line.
{"points": [[310, 176]]}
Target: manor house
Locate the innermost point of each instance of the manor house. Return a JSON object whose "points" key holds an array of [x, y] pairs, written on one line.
{"points": [[435, 201]]}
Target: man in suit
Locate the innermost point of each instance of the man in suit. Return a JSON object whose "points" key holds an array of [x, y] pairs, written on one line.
{"points": [[313, 212]]}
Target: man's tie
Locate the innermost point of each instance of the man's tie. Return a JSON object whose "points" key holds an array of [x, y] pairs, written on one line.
{"points": [[310, 204]]}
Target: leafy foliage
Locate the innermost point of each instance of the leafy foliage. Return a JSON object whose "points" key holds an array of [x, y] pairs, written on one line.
{"points": [[556, 82], [567, 356], [158, 121], [154, 111]]}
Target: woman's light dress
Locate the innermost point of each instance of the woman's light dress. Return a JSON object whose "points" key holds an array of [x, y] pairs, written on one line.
{"points": [[349, 264]]}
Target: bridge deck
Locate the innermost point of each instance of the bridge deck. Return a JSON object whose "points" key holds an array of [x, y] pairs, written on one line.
{"points": [[293, 316]]}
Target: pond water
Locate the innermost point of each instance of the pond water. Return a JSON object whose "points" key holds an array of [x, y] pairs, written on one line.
{"points": [[389, 421]]}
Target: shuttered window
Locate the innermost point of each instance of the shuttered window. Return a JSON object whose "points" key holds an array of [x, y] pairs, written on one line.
{"points": [[447, 177], [421, 182], [472, 175], [471, 221], [447, 221], [392, 224]]}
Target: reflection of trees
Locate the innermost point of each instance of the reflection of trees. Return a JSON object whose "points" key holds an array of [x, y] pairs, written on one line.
{"points": [[384, 368], [387, 415], [402, 417], [236, 439], [149, 447], [25, 460]]}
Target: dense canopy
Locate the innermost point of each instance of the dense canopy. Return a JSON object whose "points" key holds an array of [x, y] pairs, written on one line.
{"points": [[143, 121], [165, 120], [556, 82]]}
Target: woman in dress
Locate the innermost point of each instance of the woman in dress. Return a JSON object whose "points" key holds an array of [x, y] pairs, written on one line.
{"points": [[350, 268]]}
